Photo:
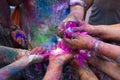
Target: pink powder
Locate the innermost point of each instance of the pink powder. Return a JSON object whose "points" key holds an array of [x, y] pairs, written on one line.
{"points": [[82, 55]]}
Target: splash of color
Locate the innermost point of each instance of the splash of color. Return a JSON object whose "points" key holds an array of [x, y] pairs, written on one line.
{"points": [[82, 55]]}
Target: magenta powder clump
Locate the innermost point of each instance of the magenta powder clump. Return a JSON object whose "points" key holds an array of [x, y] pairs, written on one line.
{"points": [[69, 26], [82, 55], [69, 31]]}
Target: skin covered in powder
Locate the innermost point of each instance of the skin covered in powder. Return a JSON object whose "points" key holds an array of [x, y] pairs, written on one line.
{"points": [[7, 55], [69, 29], [56, 62], [31, 57], [82, 55]]}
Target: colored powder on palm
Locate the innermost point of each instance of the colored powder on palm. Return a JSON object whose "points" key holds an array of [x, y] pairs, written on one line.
{"points": [[81, 56]]}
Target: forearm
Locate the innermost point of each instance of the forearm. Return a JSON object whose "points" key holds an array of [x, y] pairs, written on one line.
{"points": [[13, 68], [11, 54], [108, 32], [86, 74], [53, 72], [78, 12], [111, 69], [109, 50]]}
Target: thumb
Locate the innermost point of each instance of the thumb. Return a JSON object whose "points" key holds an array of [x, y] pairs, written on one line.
{"points": [[75, 29], [81, 22], [67, 40], [61, 26]]}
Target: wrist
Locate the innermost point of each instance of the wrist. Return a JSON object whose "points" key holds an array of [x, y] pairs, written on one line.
{"points": [[81, 3], [35, 58], [60, 33], [25, 60], [52, 64], [53, 72], [54, 67], [92, 29], [98, 29], [76, 14], [91, 44], [57, 62]]}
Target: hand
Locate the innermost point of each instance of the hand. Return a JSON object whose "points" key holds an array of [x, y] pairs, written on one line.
{"points": [[62, 25], [93, 30], [84, 26], [38, 54], [64, 55], [81, 41], [19, 36]]}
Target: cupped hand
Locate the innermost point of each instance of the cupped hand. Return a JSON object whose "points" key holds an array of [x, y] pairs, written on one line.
{"points": [[60, 54], [81, 41], [62, 25]]}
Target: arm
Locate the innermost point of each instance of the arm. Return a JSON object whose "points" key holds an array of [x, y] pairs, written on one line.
{"points": [[79, 11], [111, 69], [109, 50], [17, 66], [56, 62], [108, 32], [54, 71], [36, 55], [9, 55], [87, 74], [84, 72], [11, 69], [105, 32], [88, 42]]}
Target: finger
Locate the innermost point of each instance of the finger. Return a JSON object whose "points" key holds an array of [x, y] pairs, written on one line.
{"points": [[61, 26], [68, 41], [60, 33], [69, 56], [75, 29], [34, 50], [41, 51], [81, 22], [75, 35], [38, 51]]}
